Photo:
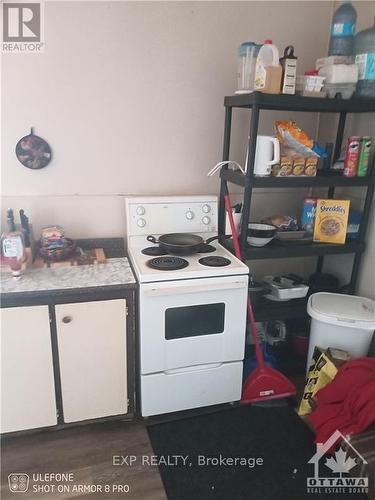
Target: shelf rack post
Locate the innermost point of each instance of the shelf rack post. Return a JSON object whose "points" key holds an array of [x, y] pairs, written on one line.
{"points": [[338, 146], [335, 157], [363, 229], [226, 150], [339, 135], [253, 133]]}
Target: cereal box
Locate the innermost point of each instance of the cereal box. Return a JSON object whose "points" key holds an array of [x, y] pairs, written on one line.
{"points": [[308, 215], [331, 220]]}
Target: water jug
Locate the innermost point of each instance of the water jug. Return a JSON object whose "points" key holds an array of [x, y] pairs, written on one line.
{"points": [[342, 31], [268, 69], [364, 50]]}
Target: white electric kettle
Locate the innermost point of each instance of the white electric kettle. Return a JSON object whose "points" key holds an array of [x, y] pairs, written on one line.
{"points": [[267, 154]]}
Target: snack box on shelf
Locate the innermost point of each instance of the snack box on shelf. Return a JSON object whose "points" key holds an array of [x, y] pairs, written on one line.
{"points": [[298, 166]]}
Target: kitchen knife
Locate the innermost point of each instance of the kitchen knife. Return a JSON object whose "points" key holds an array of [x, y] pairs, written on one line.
{"points": [[25, 227], [10, 220]]}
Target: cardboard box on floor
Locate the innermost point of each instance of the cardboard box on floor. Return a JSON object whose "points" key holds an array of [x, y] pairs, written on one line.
{"points": [[323, 368]]}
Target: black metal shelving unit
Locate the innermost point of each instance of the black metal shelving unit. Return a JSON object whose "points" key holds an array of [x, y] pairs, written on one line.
{"points": [[257, 102]]}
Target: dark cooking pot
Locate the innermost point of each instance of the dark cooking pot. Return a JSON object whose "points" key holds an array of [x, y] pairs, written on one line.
{"points": [[323, 282], [181, 243]]}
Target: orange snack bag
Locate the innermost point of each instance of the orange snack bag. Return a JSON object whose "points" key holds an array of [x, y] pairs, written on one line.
{"points": [[290, 129]]}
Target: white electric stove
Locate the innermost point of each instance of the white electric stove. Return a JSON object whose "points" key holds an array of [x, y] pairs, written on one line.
{"points": [[192, 308]]}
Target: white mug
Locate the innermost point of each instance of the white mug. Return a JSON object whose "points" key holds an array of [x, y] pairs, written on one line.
{"points": [[267, 154]]}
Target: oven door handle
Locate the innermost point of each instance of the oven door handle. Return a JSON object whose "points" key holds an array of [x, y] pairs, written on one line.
{"points": [[197, 368], [154, 292]]}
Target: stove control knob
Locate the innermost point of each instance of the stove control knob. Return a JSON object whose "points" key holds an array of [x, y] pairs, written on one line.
{"points": [[189, 215], [141, 210], [141, 223], [206, 209], [206, 220]]}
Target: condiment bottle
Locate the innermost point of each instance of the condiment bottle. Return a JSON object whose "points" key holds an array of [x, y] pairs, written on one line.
{"points": [[268, 70], [12, 246], [289, 67]]}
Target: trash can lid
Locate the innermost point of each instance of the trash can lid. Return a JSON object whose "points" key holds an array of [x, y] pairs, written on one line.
{"points": [[345, 310]]}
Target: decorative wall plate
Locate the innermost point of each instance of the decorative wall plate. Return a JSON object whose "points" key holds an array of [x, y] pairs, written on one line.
{"points": [[33, 151]]}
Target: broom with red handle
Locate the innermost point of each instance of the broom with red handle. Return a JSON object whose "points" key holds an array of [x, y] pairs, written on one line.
{"points": [[263, 383]]}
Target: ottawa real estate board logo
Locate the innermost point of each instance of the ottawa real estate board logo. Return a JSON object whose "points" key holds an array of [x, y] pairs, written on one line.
{"points": [[23, 27], [343, 472]]}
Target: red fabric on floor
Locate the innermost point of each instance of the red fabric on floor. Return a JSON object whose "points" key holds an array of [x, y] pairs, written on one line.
{"points": [[346, 404]]}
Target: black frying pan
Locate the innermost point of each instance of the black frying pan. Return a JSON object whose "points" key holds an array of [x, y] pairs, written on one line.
{"points": [[181, 243]]}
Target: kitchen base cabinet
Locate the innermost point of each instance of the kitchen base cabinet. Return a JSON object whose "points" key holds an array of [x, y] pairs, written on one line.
{"points": [[91, 338], [27, 378]]}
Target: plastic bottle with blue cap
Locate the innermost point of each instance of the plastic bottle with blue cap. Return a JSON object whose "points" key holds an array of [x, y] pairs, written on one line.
{"points": [[364, 50], [342, 30]]}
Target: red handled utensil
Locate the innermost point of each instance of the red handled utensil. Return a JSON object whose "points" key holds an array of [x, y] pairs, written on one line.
{"points": [[263, 383]]}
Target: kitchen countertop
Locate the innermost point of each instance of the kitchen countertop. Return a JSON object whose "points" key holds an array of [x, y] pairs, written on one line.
{"points": [[115, 271]]}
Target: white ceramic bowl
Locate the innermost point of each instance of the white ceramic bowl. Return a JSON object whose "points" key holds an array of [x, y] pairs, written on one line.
{"points": [[259, 235], [258, 242]]}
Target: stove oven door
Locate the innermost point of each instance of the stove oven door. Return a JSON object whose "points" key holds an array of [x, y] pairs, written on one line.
{"points": [[186, 324]]}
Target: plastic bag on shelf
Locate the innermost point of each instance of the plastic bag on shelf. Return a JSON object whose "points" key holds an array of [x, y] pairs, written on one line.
{"points": [[296, 141]]}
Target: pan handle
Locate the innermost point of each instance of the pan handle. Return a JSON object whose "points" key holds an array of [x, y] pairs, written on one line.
{"points": [[152, 239], [224, 237]]}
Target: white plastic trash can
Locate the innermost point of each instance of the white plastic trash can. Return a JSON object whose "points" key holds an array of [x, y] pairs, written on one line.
{"points": [[341, 321]]}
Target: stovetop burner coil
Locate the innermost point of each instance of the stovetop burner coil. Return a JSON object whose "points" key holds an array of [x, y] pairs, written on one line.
{"points": [[168, 263], [155, 251], [206, 248], [214, 261]]}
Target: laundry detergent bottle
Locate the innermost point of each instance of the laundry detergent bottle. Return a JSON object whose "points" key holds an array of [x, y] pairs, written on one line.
{"points": [[364, 50], [268, 70]]}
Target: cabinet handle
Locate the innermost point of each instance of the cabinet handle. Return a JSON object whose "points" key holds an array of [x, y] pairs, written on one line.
{"points": [[67, 319]]}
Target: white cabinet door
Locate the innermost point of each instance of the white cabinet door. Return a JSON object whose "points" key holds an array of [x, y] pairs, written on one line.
{"points": [[27, 380], [92, 354]]}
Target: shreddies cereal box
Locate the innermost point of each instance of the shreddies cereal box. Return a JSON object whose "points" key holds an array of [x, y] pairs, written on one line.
{"points": [[331, 220]]}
